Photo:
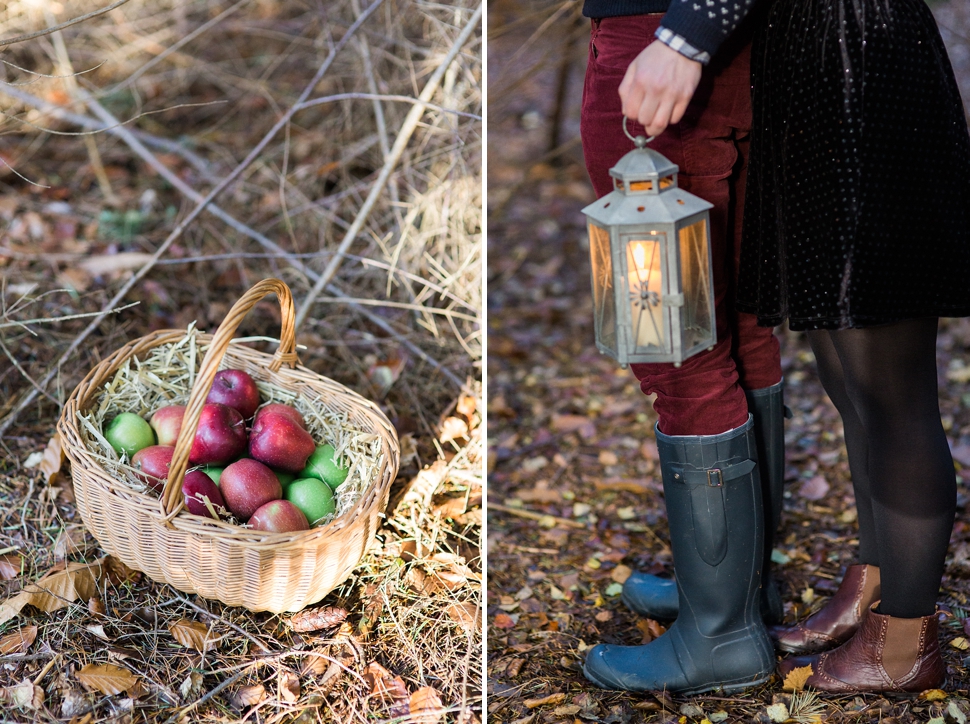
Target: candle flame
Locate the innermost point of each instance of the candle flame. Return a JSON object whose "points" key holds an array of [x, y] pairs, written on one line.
{"points": [[639, 256]]}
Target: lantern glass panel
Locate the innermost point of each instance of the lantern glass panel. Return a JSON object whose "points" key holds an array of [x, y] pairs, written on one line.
{"points": [[604, 304], [696, 273], [644, 284]]}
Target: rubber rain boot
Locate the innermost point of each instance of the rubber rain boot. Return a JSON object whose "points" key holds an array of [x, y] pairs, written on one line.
{"points": [[657, 597], [714, 509]]}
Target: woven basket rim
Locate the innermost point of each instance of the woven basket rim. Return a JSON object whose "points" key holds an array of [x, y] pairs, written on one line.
{"points": [[86, 466]]}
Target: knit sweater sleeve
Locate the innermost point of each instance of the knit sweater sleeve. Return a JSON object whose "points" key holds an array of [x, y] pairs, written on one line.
{"points": [[702, 25]]}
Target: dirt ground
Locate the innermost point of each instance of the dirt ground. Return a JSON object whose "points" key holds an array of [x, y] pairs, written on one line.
{"points": [[574, 493]]}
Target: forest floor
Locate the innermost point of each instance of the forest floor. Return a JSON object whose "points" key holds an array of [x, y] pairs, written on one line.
{"points": [[574, 494]]}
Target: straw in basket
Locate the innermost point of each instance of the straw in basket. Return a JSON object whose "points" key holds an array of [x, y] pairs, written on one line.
{"points": [[274, 572]]}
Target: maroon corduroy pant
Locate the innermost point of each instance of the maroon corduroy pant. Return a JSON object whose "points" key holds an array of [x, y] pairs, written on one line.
{"points": [[705, 395]]}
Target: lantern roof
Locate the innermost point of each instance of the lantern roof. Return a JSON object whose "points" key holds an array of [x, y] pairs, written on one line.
{"points": [[643, 163], [670, 207]]}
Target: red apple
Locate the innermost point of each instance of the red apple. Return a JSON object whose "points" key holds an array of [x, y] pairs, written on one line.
{"points": [[246, 485], [280, 442], [281, 409], [236, 389], [152, 464], [167, 423], [220, 437], [279, 516], [197, 486]]}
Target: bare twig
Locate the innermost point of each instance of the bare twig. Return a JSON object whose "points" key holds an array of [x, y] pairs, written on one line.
{"points": [[403, 136], [199, 208], [69, 23]]}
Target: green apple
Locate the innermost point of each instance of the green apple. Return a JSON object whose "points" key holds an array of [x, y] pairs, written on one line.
{"points": [[312, 496], [213, 471], [129, 433], [321, 466]]}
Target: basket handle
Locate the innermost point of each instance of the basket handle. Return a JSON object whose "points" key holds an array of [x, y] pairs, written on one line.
{"points": [[172, 500]]}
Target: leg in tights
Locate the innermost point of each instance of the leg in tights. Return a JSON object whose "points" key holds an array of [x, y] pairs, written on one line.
{"points": [[833, 380], [889, 375]]}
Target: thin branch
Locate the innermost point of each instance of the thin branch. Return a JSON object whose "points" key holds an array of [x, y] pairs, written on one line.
{"points": [[403, 137], [199, 208], [69, 23]]}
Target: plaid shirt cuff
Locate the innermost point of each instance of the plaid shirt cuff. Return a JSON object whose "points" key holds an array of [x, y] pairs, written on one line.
{"points": [[678, 43]]}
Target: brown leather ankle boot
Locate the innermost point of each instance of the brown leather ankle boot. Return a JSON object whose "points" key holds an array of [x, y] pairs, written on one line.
{"points": [[886, 654], [837, 620]]}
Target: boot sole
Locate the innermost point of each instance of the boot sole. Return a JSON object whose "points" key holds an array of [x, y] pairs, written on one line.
{"points": [[727, 687]]}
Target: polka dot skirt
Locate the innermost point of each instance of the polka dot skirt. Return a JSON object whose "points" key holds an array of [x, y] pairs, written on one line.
{"points": [[858, 200]]}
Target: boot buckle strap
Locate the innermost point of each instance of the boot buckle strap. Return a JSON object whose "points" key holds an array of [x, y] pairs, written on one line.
{"points": [[714, 476]]}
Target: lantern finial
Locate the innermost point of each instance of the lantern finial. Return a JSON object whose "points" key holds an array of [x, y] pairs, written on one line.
{"points": [[638, 141]]}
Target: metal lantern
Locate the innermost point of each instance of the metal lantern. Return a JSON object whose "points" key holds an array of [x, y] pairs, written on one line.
{"points": [[653, 295]]}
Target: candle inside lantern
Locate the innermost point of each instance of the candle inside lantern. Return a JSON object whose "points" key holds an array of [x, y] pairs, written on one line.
{"points": [[646, 311]]}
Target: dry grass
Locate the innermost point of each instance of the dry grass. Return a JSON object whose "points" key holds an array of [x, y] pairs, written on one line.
{"points": [[200, 85]]}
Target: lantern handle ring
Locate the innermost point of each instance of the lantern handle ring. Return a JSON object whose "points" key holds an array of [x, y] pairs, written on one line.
{"points": [[638, 141]]}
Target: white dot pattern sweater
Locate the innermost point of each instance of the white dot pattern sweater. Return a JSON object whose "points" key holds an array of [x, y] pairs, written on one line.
{"points": [[698, 27]]}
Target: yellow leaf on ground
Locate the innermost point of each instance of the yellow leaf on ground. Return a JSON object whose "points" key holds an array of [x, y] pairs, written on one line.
{"points": [[106, 678], [960, 643], [426, 706], [557, 698], [192, 635], [56, 590], [795, 681], [933, 695], [19, 641]]}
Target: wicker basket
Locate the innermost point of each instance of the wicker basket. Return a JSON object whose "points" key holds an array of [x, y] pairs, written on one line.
{"points": [[264, 572]]}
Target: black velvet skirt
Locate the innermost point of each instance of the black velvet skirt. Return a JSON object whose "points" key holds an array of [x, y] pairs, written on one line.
{"points": [[857, 210]]}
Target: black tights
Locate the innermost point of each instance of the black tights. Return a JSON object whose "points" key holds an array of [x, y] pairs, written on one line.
{"points": [[883, 383]]}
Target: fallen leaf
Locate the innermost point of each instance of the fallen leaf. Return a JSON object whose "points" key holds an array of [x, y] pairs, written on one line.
{"points": [[467, 615], [453, 428], [247, 696], [52, 460], [603, 616], [106, 678], [514, 668], [389, 689], [96, 606], [608, 457], [796, 678], [56, 590], [191, 687], [25, 695], [650, 629], [426, 706], [564, 711], [614, 589], [315, 619], [557, 698], [933, 695], [960, 643], [814, 488], [777, 712], [10, 566], [289, 687], [192, 635], [106, 263], [503, 621], [18, 642], [621, 573], [119, 572], [574, 423]]}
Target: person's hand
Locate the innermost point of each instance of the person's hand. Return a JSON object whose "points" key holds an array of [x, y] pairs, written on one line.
{"points": [[657, 87]]}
